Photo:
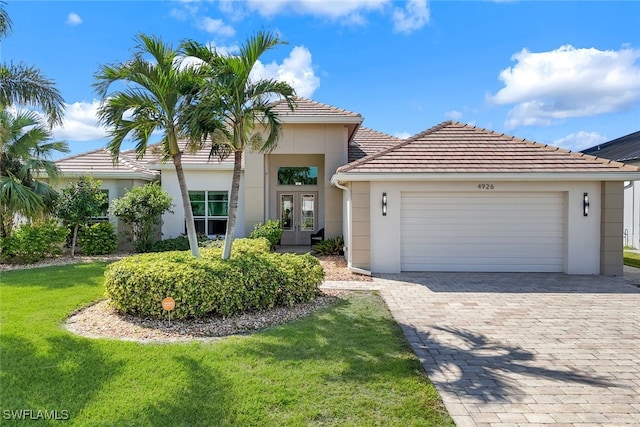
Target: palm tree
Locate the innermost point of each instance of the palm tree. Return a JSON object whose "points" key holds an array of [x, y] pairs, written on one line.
{"points": [[25, 151], [5, 21], [25, 85], [155, 87], [245, 105]]}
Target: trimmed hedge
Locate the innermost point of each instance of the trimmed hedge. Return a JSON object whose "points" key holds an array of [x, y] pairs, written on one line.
{"points": [[252, 279]]}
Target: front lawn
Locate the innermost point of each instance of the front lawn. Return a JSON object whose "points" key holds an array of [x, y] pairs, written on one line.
{"points": [[346, 365], [632, 259]]}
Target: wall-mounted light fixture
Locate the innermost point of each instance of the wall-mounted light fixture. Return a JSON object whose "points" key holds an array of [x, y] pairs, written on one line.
{"points": [[585, 204], [384, 204]]}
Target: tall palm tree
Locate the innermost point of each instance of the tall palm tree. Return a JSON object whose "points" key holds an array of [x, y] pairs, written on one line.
{"points": [[25, 85], [245, 105], [153, 92], [25, 152]]}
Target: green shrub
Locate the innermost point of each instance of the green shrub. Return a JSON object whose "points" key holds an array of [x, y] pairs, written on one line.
{"points": [[180, 243], [271, 230], [252, 279], [332, 246], [31, 243], [98, 239]]}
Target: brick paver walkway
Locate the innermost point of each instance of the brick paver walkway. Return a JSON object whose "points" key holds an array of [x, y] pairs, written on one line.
{"points": [[523, 349]]}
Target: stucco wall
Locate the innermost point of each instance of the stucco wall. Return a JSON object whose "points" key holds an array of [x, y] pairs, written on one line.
{"points": [[360, 245], [324, 145], [611, 229], [582, 244]]}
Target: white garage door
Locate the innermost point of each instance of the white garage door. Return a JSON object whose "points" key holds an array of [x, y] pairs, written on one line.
{"points": [[482, 232]]}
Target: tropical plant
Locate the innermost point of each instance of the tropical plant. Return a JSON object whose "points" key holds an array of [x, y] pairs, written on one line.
{"points": [[26, 85], [271, 230], [25, 151], [141, 209], [151, 99], [79, 201], [244, 103], [332, 246]]}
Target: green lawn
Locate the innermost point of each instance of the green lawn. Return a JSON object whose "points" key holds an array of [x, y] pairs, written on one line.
{"points": [[345, 365], [632, 259]]}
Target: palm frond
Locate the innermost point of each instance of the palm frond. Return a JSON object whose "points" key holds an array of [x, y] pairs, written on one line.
{"points": [[25, 85], [5, 21]]}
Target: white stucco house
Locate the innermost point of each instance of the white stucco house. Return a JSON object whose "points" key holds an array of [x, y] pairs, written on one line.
{"points": [[451, 198], [625, 149]]}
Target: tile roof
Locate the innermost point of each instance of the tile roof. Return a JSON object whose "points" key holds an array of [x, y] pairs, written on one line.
{"points": [[623, 149], [100, 162], [200, 157], [453, 147], [368, 141], [309, 108]]}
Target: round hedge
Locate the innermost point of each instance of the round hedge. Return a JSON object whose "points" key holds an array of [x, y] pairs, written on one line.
{"points": [[252, 279]]}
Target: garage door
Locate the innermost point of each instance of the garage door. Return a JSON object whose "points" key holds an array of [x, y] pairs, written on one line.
{"points": [[499, 232]]}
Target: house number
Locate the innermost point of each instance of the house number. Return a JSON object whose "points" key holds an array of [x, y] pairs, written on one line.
{"points": [[485, 187]]}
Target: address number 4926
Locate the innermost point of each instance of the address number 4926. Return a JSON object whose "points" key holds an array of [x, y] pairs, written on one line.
{"points": [[485, 187]]}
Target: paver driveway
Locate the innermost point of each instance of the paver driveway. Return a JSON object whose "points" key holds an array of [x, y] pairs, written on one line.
{"points": [[524, 349]]}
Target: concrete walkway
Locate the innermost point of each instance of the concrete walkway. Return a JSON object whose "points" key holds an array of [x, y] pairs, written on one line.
{"points": [[523, 349]]}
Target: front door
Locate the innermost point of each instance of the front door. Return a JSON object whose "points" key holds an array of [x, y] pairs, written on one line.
{"points": [[298, 213]]}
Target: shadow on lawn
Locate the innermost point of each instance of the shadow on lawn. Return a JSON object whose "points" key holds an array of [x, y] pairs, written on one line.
{"points": [[484, 368], [206, 398], [65, 376]]}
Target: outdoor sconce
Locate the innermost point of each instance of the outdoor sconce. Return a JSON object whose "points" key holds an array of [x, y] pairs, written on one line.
{"points": [[585, 204], [384, 204]]}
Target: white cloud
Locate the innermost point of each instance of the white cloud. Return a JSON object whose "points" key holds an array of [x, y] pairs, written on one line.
{"points": [[414, 16], [453, 115], [215, 26], [80, 123], [74, 19], [402, 135], [331, 9], [296, 69], [568, 82], [580, 140]]}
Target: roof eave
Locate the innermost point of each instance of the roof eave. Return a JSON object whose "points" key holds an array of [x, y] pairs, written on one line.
{"points": [[493, 176]]}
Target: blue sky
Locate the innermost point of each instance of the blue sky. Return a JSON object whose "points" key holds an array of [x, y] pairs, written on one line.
{"points": [[561, 73]]}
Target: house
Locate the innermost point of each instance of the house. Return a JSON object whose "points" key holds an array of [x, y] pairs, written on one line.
{"points": [[452, 198], [625, 149]]}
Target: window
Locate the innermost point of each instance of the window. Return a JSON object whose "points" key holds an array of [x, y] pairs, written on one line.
{"points": [[210, 211], [298, 175], [103, 216]]}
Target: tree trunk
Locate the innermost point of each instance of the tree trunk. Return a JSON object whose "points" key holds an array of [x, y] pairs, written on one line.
{"points": [[186, 204], [74, 239], [233, 204]]}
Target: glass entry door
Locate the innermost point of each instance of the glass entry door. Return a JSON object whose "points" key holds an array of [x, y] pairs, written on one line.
{"points": [[298, 213]]}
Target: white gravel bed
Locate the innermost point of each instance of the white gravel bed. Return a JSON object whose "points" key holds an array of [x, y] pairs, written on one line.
{"points": [[102, 321]]}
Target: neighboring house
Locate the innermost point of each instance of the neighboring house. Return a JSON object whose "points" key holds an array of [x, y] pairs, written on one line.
{"points": [[452, 198], [625, 149]]}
